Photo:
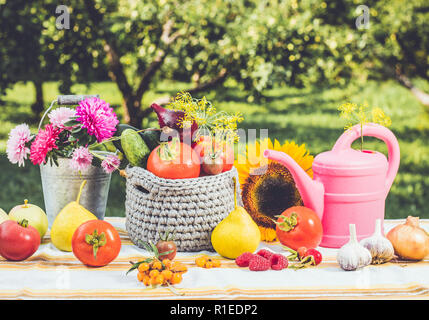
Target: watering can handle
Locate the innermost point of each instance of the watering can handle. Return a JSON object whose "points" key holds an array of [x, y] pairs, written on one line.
{"points": [[374, 130], [70, 99]]}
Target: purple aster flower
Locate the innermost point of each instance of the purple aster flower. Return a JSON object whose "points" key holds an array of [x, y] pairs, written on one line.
{"points": [[97, 117], [110, 163], [81, 159]]}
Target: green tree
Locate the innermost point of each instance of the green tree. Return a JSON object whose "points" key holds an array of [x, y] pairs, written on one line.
{"points": [[395, 44], [34, 49]]}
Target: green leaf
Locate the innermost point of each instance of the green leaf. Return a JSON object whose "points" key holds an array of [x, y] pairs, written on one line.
{"points": [[71, 123], [166, 253], [136, 265]]}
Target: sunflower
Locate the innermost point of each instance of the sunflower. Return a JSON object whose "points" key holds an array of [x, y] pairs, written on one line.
{"points": [[267, 187]]}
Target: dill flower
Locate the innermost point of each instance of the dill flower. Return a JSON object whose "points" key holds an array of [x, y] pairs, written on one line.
{"points": [[378, 116], [221, 125], [361, 115]]}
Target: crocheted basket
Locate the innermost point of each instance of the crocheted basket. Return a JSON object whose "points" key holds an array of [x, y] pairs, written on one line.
{"points": [[192, 207]]}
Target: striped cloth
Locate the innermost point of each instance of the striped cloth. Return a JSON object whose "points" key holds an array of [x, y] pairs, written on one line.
{"points": [[53, 274]]}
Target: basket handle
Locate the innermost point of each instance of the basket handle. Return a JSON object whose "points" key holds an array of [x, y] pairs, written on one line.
{"points": [[69, 99]]}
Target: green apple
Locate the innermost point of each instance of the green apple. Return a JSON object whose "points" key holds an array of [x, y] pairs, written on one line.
{"points": [[3, 216], [35, 216]]}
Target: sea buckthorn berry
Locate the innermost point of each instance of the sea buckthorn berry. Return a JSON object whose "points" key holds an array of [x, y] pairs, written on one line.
{"points": [[140, 276], [143, 267], [176, 278], [153, 273], [201, 261], [178, 267], [157, 265], [216, 263], [146, 280], [167, 274], [154, 280], [209, 264], [159, 279], [166, 263]]}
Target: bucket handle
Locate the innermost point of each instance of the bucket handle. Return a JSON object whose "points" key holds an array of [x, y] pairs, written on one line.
{"points": [[69, 99]]}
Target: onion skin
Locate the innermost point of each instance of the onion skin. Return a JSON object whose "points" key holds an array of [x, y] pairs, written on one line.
{"points": [[170, 118], [409, 240]]}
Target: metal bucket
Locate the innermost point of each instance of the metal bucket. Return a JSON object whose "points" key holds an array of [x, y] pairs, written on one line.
{"points": [[61, 186]]}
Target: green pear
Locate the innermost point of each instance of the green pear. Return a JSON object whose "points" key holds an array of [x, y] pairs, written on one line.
{"points": [[236, 234], [35, 216], [3, 216], [67, 221]]}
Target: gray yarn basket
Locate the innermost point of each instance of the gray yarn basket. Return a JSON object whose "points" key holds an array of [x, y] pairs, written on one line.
{"points": [[192, 207]]}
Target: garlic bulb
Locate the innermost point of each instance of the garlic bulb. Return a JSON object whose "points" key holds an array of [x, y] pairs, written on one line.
{"points": [[380, 247], [352, 255]]}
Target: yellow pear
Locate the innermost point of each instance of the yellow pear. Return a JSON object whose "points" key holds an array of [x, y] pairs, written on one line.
{"points": [[236, 234], [67, 221]]}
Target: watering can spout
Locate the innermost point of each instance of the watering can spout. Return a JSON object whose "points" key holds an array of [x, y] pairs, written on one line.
{"points": [[311, 191]]}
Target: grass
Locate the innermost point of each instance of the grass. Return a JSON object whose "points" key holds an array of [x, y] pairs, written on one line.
{"points": [[306, 115]]}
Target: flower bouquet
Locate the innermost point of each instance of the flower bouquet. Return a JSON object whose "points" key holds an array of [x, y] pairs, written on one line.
{"points": [[71, 133], [70, 148]]}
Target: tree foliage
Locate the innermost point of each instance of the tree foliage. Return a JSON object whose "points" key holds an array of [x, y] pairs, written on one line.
{"points": [[259, 43]]}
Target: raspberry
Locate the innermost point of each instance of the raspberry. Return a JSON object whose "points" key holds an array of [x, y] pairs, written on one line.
{"points": [[259, 263], [265, 253], [278, 262], [243, 259]]}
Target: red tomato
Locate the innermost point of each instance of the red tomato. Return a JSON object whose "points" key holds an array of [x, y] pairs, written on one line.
{"points": [[206, 145], [299, 227], [96, 243], [174, 160], [18, 241], [228, 157], [202, 146]]}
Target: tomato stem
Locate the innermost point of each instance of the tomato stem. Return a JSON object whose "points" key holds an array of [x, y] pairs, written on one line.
{"points": [[288, 223], [96, 241]]}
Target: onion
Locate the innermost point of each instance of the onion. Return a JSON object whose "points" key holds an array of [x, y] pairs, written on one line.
{"points": [[170, 118], [409, 240]]}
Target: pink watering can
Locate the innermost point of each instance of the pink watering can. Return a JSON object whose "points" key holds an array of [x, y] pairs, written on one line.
{"points": [[348, 186]]}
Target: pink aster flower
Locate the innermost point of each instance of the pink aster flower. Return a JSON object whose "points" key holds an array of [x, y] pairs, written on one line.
{"points": [[81, 159], [60, 116], [44, 142], [16, 148], [97, 117], [110, 163]]}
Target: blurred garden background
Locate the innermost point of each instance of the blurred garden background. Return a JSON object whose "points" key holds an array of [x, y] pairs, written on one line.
{"points": [[285, 65]]}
